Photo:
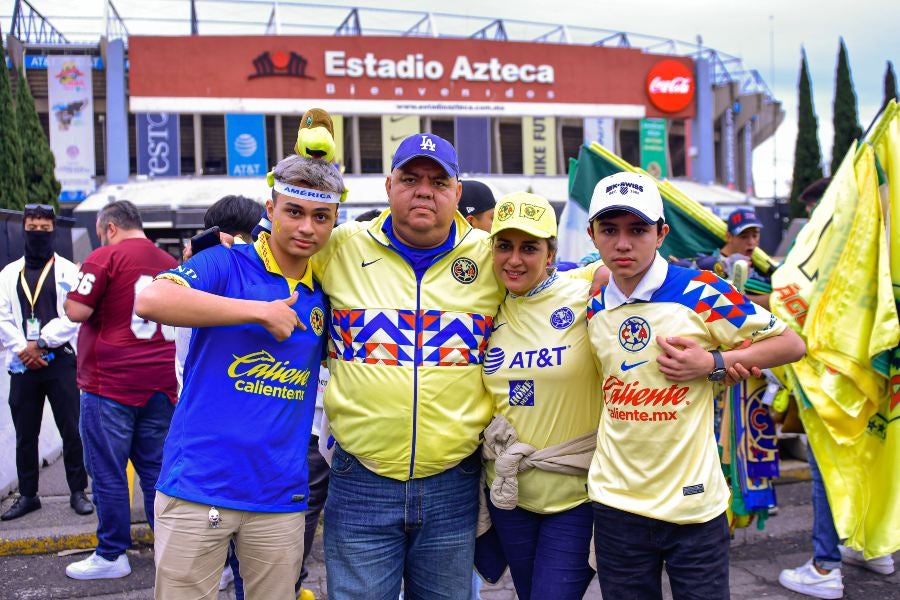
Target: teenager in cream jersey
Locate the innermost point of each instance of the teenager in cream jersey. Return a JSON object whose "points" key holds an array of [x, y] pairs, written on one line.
{"points": [[658, 490], [545, 391]]}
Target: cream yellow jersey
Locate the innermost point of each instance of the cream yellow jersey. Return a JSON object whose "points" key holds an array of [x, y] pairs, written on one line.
{"points": [[656, 450], [540, 375]]}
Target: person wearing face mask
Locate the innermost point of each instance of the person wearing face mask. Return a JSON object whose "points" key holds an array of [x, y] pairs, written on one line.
{"points": [[40, 356]]}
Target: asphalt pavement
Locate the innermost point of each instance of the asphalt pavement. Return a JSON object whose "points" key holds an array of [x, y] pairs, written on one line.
{"points": [[35, 549]]}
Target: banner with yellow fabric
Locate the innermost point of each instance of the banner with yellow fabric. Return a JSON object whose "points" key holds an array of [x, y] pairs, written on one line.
{"points": [[837, 289]]}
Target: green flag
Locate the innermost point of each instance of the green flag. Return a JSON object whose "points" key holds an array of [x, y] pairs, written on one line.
{"points": [[694, 229]]}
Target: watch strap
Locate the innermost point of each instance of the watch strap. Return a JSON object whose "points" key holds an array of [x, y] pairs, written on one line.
{"points": [[718, 360]]}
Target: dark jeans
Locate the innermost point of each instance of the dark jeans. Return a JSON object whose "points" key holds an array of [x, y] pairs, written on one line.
{"points": [[379, 531], [547, 553], [631, 551], [113, 433], [826, 554], [27, 390]]}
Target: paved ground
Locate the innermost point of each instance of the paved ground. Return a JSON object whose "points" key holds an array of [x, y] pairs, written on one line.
{"points": [[756, 556]]}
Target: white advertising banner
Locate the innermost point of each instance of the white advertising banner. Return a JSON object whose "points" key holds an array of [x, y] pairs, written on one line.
{"points": [[71, 100], [601, 130]]}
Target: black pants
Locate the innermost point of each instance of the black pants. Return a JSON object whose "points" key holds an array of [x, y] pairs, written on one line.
{"points": [[26, 404], [632, 550], [318, 491]]}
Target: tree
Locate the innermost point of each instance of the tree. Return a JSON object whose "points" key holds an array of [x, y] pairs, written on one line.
{"points": [[12, 178], [807, 153], [37, 158], [846, 118], [890, 85]]}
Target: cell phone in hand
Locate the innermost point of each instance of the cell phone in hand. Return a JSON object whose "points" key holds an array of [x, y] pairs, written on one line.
{"points": [[205, 239]]}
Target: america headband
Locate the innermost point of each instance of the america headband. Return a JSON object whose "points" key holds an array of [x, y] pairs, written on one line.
{"points": [[306, 193]]}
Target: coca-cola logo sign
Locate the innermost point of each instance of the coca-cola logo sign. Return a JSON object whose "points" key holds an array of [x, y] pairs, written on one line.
{"points": [[670, 86]]}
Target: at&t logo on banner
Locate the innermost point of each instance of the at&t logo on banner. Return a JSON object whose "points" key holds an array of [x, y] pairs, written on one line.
{"points": [[246, 139]]}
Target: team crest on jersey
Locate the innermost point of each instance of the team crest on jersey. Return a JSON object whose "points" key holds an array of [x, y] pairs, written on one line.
{"points": [[562, 318], [464, 270], [634, 334], [317, 320], [505, 211]]}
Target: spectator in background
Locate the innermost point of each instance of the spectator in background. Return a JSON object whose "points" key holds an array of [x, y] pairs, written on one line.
{"points": [[38, 339], [477, 204], [126, 373]]}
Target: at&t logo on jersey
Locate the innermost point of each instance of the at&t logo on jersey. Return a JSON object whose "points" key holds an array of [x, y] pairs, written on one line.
{"points": [[493, 360], [634, 334], [540, 358], [562, 318]]}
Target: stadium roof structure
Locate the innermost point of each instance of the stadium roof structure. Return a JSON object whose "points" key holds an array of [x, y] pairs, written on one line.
{"points": [[287, 17]]}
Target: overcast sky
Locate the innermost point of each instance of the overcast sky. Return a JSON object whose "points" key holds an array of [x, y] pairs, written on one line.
{"points": [[744, 29]]}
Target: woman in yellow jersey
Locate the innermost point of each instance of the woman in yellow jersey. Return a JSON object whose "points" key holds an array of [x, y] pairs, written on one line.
{"points": [[546, 394]]}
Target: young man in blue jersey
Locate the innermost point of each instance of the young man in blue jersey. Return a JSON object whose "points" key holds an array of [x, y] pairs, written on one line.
{"points": [[657, 331], [234, 466]]}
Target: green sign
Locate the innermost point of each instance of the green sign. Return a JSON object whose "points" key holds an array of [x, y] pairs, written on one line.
{"points": [[654, 144]]}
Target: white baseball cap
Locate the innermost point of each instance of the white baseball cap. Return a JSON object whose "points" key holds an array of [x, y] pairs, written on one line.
{"points": [[632, 192]]}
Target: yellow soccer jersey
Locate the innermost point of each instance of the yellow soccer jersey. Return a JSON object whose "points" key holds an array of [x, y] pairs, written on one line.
{"points": [[540, 375], [656, 451]]}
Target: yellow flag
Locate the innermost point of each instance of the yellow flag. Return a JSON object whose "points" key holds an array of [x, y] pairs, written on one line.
{"points": [[837, 288]]}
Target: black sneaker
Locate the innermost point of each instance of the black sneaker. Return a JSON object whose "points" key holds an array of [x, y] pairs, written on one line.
{"points": [[80, 503], [21, 507]]}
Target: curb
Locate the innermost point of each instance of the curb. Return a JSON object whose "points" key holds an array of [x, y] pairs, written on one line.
{"points": [[140, 534]]}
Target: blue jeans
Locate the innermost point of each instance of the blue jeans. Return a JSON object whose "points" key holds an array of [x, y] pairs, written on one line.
{"points": [[632, 550], [826, 554], [381, 531], [547, 554], [112, 433]]}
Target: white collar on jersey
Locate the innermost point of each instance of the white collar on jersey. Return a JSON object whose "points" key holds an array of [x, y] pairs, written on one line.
{"points": [[649, 283]]}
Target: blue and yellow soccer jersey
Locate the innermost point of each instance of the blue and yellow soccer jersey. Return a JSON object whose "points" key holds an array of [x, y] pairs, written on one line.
{"points": [[656, 450], [540, 375], [239, 435]]}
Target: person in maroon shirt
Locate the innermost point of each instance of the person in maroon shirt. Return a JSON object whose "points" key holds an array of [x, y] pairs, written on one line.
{"points": [[126, 373]]}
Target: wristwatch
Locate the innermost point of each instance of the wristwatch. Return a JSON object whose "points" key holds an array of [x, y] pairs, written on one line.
{"points": [[42, 343], [718, 373]]}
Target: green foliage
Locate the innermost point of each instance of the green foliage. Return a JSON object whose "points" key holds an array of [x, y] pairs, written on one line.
{"points": [[890, 85], [807, 153], [41, 185], [12, 178], [846, 118]]}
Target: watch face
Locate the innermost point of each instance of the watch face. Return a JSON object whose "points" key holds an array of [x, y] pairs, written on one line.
{"points": [[717, 375]]}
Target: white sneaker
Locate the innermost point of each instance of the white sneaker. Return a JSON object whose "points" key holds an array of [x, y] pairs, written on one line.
{"points": [[97, 567], [226, 578], [807, 580], [881, 564]]}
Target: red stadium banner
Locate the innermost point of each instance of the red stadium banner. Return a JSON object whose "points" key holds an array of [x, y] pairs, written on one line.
{"points": [[381, 75]]}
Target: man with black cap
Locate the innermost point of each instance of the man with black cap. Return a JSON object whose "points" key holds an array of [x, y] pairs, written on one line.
{"points": [[39, 341], [477, 204]]}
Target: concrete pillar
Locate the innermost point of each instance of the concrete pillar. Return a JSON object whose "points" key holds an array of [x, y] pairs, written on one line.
{"points": [[116, 114], [198, 145], [703, 160]]}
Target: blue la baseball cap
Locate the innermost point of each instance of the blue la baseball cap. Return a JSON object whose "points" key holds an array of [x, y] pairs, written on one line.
{"points": [[427, 145], [741, 219]]}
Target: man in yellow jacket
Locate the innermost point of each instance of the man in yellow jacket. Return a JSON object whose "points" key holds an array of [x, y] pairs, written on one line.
{"points": [[413, 298]]}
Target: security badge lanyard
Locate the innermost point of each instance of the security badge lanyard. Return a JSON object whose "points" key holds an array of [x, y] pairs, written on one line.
{"points": [[33, 324]]}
